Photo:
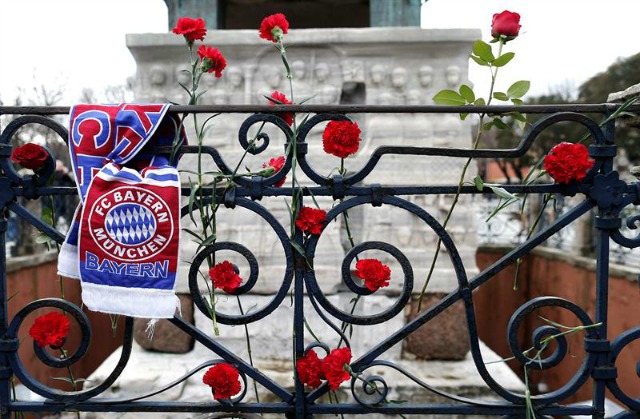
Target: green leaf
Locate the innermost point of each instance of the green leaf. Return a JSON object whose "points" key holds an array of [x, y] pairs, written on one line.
{"points": [[478, 182], [193, 233], [298, 249], [192, 197], [467, 93], [518, 116], [517, 102], [499, 124], [209, 240], [42, 238], [503, 193], [448, 97], [503, 59], [487, 126], [518, 89], [480, 61], [483, 50], [500, 96], [479, 102], [463, 116]]}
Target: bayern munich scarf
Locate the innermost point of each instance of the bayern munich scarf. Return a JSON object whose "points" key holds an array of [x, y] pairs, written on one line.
{"points": [[124, 241]]}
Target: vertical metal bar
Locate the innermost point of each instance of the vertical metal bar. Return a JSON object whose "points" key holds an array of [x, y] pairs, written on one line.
{"points": [[602, 284], [602, 298], [298, 320], [5, 369]]}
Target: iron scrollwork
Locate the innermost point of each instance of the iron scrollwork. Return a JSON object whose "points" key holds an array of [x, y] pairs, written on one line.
{"points": [[370, 392]]}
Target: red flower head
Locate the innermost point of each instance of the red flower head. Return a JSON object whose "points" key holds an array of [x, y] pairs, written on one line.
{"points": [[505, 24], [30, 156], [212, 60], [374, 274], [274, 27], [309, 369], [50, 329], [281, 99], [224, 276], [341, 138], [275, 165], [568, 162], [333, 367], [224, 381], [311, 220], [192, 29]]}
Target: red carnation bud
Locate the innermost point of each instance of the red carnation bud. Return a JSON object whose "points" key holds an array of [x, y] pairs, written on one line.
{"points": [[374, 273], [50, 329], [191, 29], [567, 162], [224, 276], [274, 27], [311, 220], [341, 138], [212, 60], [224, 381], [334, 367]]}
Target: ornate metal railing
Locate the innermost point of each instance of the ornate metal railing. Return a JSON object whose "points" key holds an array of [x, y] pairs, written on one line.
{"points": [[600, 190]]}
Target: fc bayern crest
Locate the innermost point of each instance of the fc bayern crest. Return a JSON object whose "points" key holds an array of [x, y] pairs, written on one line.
{"points": [[131, 224]]}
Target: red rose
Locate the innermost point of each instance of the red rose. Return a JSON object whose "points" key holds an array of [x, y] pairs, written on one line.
{"points": [[341, 138], [311, 220], [224, 276], [281, 99], [333, 367], [568, 162], [276, 164], [374, 274], [224, 381], [309, 369], [505, 24], [273, 27], [192, 29], [30, 156], [50, 329], [212, 60]]}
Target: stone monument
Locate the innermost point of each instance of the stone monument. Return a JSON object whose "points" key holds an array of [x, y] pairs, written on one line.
{"points": [[378, 56]]}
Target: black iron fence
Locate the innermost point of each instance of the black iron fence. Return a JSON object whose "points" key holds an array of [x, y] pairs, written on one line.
{"points": [[368, 392]]}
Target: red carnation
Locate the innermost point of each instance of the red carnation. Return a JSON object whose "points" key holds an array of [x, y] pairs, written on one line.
{"points": [[276, 165], [341, 138], [274, 27], [506, 24], [309, 369], [224, 276], [30, 156], [311, 220], [568, 162], [333, 367], [374, 274], [212, 60], [281, 99], [192, 29], [50, 329], [224, 381]]}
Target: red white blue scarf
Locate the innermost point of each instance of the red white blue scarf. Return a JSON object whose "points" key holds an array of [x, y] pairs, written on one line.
{"points": [[124, 242]]}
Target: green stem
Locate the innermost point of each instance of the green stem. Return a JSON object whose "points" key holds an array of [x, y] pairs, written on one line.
{"points": [[532, 229], [248, 340], [494, 74]]}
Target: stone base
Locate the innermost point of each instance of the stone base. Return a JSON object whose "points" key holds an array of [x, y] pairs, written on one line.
{"points": [[166, 337], [444, 337]]}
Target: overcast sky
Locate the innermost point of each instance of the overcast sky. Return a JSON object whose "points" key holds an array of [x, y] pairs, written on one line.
{"points": [[81, 43]]}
